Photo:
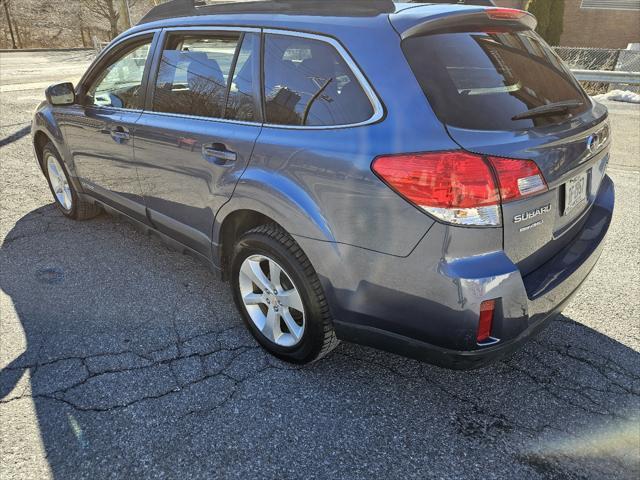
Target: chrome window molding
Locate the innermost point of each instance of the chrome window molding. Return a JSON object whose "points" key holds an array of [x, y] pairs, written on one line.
{"points": [[209, 28], [198, 117], [115, 109], [378, 109]]}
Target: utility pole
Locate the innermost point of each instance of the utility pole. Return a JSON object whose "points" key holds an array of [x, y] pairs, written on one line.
{"points": [[6, 11]]}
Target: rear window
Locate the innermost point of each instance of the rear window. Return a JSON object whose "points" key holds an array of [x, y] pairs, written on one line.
{"points": [[481, 80]]}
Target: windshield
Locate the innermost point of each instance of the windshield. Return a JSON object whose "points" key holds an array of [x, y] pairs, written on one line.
{"points": [[481, 80]]}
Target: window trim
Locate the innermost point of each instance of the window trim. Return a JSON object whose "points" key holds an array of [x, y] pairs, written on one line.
{"points": [[151, 81], [105, 58], [378, 109], [159, 40], [232, 73]]}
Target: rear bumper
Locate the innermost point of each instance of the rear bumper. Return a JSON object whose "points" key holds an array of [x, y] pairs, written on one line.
{"points": [[426, 305]]}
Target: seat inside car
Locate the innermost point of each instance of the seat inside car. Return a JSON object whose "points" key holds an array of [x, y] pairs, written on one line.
{"points": [[204, 75]]}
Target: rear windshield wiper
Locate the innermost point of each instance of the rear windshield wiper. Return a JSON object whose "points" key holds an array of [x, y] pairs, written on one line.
{"points": [[548, 109]]}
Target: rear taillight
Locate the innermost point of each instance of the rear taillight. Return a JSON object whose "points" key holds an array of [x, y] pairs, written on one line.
{"points": [[456, 187], [459, 187], [485, 324], [517, 178]]}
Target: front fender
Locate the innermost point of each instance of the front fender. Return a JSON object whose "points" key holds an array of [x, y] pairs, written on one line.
{"points": [[45, 122]]}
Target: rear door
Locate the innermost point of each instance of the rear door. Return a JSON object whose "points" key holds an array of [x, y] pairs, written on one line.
{"points": [[198, 132], [480, 83]]}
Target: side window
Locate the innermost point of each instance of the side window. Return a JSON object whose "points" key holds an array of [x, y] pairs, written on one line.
{"points": [[307, 82], [120, 84], [193, 75], [241, 104]]}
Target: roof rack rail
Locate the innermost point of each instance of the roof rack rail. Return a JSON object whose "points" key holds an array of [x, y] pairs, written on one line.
{"points": [[188, 8]]}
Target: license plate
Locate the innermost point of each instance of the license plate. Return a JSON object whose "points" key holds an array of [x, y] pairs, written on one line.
{"points": [[575, 193]]}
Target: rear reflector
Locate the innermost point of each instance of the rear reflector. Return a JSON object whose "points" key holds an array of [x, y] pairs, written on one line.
{"points": [[505, 13], [486, 320], [459, 187]]}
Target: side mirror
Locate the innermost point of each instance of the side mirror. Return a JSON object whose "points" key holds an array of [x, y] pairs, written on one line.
{"points": [[61, 94]]}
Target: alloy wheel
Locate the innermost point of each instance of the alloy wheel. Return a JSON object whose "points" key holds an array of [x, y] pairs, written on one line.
{"points": [[59, 182], [272, 300]]}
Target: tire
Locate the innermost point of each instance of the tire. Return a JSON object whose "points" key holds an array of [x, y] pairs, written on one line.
{"points": [[262, 246], [64, 194]]}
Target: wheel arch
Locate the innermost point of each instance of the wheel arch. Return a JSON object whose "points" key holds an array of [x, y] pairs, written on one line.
{"points": [[263, 197], [233, 226], [45, 128]]}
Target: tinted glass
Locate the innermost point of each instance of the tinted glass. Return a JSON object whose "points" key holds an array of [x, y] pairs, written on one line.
{"points": [[241, 104], [119, 84], [193, 75], [308, 83], [481, 80]]}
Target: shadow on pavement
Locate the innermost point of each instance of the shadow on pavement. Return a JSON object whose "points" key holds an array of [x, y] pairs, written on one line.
{"points": [[136, 364], [14, 137]]}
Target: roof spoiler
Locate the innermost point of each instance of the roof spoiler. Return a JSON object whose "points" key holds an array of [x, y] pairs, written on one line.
{"points": [[468, 20]]}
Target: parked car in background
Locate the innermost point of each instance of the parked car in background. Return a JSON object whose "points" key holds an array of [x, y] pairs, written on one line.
{"points": [[427, 179]]}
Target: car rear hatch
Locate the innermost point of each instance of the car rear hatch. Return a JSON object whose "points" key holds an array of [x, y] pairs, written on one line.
{"points": [[502, 92]]}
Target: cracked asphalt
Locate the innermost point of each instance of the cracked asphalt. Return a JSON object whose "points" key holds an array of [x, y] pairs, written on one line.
{"points": [[122, 359]]}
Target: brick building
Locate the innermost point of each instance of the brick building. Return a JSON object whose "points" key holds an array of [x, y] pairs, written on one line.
{"points": [[596, 23]]}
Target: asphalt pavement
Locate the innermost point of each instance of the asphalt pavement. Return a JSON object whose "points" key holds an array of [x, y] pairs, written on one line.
{"points": [[122, 359]]}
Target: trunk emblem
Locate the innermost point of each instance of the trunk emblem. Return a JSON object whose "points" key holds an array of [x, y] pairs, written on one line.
{"points": [[521, 217], [533, 225], [593, 143]]}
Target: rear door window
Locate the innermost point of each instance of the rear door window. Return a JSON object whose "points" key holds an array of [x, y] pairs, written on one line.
{"points": [[194, 74], [308, 83], [481, 80]]}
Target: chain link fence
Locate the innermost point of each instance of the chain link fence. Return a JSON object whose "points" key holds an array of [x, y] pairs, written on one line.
{"points": [[600, 59]]}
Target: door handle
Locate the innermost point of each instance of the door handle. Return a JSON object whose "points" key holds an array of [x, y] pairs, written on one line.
{"points": [[119, 134], [217, 153]]}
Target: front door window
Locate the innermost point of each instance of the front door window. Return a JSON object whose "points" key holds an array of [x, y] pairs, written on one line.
{"points": [[119, 85]]}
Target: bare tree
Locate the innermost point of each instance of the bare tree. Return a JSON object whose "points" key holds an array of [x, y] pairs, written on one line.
{"points": [[68, 23], [112, 11], [5, 4]]}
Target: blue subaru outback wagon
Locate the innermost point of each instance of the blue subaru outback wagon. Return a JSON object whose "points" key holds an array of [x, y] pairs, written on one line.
{"points": [[427, 179]]}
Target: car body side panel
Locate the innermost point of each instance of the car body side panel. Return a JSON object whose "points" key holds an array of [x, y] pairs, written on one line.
{"points": [[323, 177], [331, 170], [183, 189], [104, 164]]}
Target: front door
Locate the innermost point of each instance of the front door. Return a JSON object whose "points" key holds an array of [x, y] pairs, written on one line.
{"points": [[100, 129], [198, 134]]}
